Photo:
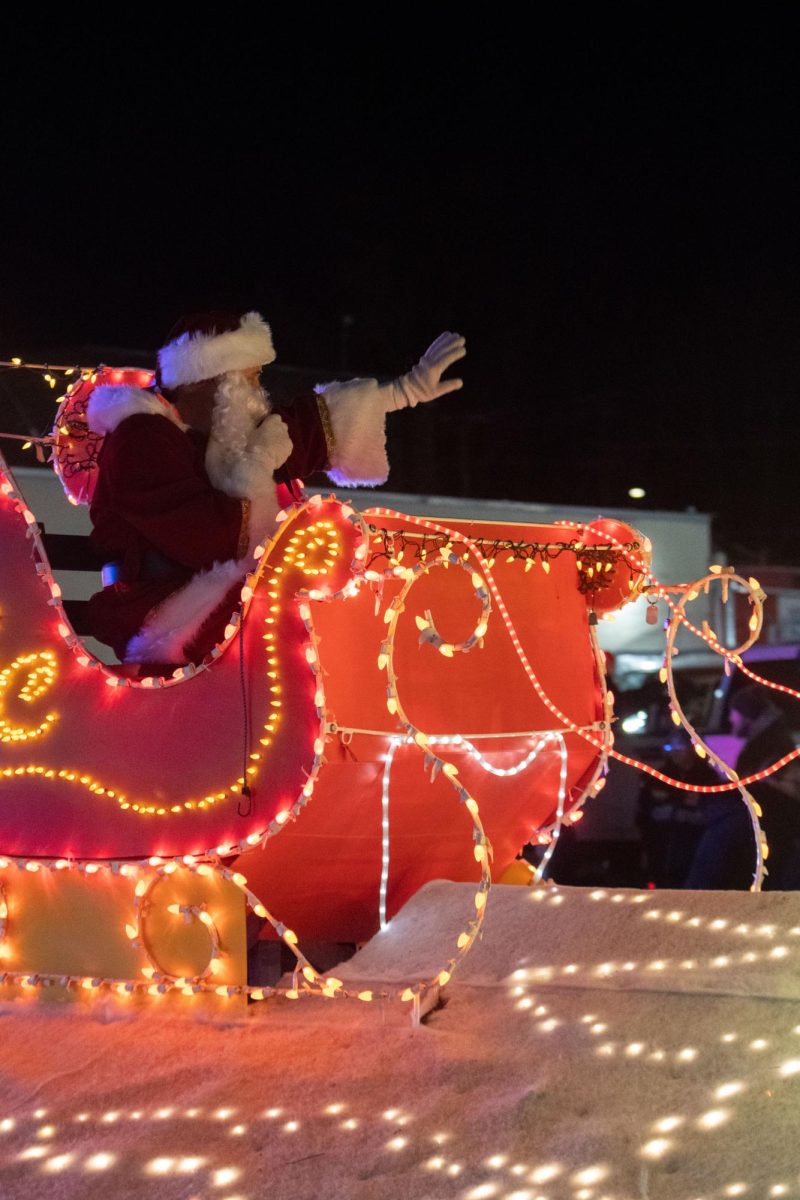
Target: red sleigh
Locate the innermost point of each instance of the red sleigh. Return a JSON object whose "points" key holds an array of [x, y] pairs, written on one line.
{"points": [[98, 766], [394, 702]]}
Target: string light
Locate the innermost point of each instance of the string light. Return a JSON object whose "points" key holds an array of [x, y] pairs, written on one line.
{"points": [[595, 563], [457, 740], [3, 922], [141, 806], [387, 769], [653, 587], [603, 744], [423, 742], [39, 678], [562, 791]]}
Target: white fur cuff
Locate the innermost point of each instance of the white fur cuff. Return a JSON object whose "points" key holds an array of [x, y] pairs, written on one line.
{"points": [[358, 419], [180, 617], [109, 405]]}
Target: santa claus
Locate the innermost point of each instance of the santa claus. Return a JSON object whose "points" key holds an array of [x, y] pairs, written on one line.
{"points": [[188, 474]]}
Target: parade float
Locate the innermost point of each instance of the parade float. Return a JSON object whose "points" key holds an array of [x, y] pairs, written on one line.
{"points": [[393, 701]]}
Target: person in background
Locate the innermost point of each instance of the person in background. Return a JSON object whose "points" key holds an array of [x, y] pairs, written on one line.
{"points": [[725, 855], [672, 820]]}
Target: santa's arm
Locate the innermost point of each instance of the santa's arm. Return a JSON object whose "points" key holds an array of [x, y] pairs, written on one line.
{"points": [[340, 429], [357, 412]]}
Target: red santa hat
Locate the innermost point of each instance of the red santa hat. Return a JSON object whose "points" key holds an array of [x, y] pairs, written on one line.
{"points": [[203, 345]]}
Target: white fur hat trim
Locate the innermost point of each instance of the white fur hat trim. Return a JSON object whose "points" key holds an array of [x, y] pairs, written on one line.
{"points": [[194, 357]]}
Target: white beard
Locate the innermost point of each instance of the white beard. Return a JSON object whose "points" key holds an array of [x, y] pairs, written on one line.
{"points": [[239, 407]]}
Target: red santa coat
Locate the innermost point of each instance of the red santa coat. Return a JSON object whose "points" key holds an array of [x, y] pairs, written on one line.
{"points": [[182, 545]]}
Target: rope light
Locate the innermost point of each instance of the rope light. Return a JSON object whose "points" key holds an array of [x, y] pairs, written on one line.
{"points": [[431, 760], [585, 733], [538, 874]]}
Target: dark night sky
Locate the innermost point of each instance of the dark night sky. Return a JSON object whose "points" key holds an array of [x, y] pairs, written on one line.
{"points": [[610, 214]]}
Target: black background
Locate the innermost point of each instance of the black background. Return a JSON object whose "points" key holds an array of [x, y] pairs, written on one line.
{"points": [[607, 208]]}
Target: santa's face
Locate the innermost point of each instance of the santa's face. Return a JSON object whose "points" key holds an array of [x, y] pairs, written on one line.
{"points": [[195, 403], [228, 406]]}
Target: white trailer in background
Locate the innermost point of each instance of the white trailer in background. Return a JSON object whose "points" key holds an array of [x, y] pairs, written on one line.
{"points": [[681, 551]]}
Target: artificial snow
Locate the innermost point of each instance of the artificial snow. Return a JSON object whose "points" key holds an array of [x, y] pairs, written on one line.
{"points": [[593, 1045]]}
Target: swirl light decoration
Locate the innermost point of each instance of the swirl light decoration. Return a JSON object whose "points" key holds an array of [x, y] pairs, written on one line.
{"points": [[725, 576]]}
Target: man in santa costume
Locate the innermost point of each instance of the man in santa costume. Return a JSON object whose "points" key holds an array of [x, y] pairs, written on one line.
{"points": [[189, 475]]}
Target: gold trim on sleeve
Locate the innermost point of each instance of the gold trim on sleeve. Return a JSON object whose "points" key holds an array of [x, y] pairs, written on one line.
{"points": [[244, 530], [327, 427]]}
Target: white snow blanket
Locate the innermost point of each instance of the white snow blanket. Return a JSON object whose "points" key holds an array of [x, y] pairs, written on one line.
{"points": [[595, 1046]]}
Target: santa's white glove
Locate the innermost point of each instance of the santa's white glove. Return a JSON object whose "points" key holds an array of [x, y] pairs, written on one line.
{"points": [[270, 442], [424, 381]]}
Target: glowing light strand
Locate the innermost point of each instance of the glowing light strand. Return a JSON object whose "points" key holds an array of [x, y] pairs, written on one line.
{"points": [[581, 730], [482, 848], [80, 778], [3, 921], [501, 772], [458, 740], [39, 678], [157, 981], [453, 740], [538, 874], [700, 745], [607, 743], [429, 634], [600, 744], [384, 884], [597, 780], [143, 901], [543, 740]]}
